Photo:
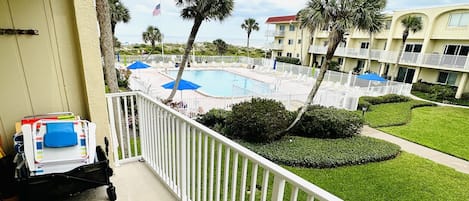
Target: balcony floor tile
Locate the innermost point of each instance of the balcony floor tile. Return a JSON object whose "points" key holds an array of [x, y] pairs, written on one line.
{"points": [[134, 182]]}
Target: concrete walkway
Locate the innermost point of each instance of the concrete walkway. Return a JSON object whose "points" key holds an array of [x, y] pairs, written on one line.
{"points": [[438, 103], [419, 150]]}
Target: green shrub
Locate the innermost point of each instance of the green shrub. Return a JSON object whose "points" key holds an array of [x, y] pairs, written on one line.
{"points": [[258, 120], [465, 96], [334, 66], [214, 119], [289, 60], [322, 122], [325, 153], [389, 98], [442, 92], [422, 87]]}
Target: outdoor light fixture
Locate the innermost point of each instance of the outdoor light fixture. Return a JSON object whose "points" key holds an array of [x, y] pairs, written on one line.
{"points": [[364, 110]]}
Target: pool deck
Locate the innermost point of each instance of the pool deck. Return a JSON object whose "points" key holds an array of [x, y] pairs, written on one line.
{"points": [[286, 86]]}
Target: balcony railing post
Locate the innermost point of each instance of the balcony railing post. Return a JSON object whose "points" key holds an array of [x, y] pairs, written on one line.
{"points": [[467, 63], [114, 143], [278, 189], [182, 159]]}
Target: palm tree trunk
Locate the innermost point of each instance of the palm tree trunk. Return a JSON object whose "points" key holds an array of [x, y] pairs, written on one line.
{"points": [[334, 40], [396, 64], [405, 34], [106, 42], [248, 43], [368, 64], [190, 43]]}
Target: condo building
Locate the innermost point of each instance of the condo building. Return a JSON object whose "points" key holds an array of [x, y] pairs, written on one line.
{"points": [[438, 53]]}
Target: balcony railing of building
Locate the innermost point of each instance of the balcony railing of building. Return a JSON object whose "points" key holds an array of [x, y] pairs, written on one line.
{"points": [[274, 46], [275, 33], [194, 162], [408, 58]]}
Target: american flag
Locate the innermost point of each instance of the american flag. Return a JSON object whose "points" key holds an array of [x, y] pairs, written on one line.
{"points": [[157, 9]]}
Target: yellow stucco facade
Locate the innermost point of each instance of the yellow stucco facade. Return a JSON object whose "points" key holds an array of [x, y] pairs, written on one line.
{"points": [[436, 54], [57, 70]]}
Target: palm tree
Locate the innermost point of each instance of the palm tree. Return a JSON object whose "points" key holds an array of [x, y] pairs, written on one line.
{"points": [[340, 16], [410, 23], [199, 10], [221, 46], [119, 13], [152, 35], [106, 42], [250, 25], [371, 21]]}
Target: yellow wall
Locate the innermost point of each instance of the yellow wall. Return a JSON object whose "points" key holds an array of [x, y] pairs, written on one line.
{"points": [[442, 30], [428, 75], [50, 72]]}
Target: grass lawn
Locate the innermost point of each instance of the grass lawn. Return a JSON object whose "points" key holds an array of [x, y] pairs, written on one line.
{"points": [[391, 114], [442, 128], [408, 177]]}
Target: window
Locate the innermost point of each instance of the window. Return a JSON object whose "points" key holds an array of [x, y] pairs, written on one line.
{"points": [[280, 41], [387, 24], [325, 43], [413, 48], [458, 20], [325, 28], [447, 78], [290, 41], [340, 60], [279, 54], [299, 41], [462, 50], [289, 54], [364, 45], [297, 55], [281, 27], [343, 44], [292, 27]]}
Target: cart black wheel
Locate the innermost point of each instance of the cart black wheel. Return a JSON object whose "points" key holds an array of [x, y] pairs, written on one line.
{"points": [[111, 193]]}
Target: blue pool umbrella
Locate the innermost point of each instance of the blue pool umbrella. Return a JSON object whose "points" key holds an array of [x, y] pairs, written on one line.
{"points": [[372, 77], [183, 85], [138, 65]]}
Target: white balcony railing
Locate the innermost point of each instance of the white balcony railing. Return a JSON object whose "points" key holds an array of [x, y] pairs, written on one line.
{"points": [[197, 163], [274, 46], [409, 58], [275, 33]]}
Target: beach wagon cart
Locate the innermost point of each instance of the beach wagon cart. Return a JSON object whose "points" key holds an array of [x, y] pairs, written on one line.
{"points": [[60, 159]]}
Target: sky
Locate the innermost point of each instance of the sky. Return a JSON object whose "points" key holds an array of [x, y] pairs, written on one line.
{"points": [[176, 30]]}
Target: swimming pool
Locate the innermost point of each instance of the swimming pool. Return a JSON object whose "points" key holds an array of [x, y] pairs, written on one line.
{"points": [[222, 83]]}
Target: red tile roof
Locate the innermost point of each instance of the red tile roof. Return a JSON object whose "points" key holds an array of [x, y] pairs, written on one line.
{"points": [[280, 19]]}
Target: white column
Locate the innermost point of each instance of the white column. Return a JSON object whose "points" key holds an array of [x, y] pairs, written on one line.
{"points": [[462, 85], [416, 74]]}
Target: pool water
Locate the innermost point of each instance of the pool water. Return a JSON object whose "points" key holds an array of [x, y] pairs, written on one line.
{"points": [[222, 83]]}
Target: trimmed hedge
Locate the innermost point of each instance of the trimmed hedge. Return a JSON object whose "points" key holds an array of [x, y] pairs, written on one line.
{"points": [[367, 101], [258, 120], [465, 96], [289, 60], [214, 119], [325, 153], [322, 122]]}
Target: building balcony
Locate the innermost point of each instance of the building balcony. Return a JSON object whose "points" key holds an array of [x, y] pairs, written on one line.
{"points": [[188, 160], [275, 33], [437, 61], [274, 46]]}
